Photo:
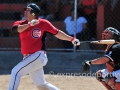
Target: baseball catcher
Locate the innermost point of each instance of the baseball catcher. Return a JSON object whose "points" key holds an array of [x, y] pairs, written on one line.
{"points": [[109, 77]]}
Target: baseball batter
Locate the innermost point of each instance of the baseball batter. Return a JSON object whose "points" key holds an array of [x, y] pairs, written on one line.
{"points": [[32, 33]]}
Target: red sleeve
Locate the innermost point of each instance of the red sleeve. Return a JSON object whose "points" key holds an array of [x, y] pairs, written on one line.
{"points": [[50, 28], [16, 23]]}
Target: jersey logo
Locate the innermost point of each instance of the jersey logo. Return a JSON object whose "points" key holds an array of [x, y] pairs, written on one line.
{"points": [[36, 33], [110, 53]]}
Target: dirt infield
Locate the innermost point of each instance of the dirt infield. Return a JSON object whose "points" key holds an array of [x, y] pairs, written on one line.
{"points": [[62, 82]]}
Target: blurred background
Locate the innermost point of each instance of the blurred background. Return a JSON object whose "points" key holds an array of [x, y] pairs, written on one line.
{"points": [[85, 19]]}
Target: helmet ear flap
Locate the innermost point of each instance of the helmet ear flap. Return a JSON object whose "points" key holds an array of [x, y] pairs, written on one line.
{"points": [[33, 14], [116, 37], [35, 9]]}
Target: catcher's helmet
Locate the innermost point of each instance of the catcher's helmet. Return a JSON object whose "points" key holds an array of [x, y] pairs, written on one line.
{"points": [[35, 9], [116, 33]]}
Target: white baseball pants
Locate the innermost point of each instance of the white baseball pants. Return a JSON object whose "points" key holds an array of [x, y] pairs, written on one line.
{"points": [[32, 65], [114, 73]]}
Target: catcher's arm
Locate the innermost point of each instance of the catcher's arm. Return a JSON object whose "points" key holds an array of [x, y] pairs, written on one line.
{"points": [[100, 60], [85, 67]]}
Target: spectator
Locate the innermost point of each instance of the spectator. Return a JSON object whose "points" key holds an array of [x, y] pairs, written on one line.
{"points": [[58, 5], [81, 27], [43, 5], [90, 11]]}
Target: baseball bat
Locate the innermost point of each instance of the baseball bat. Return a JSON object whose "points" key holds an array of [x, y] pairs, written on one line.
{"points": [[111, 41]]}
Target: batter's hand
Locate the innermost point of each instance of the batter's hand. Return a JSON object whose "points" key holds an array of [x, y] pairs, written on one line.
{"points": [[33, 22], [75, 41]]}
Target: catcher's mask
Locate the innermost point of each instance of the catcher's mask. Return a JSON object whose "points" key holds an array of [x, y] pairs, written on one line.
{"points": [[35, 9], [111, 33]]}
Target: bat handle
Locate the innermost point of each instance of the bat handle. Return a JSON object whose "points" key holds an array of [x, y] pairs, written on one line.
{"points": [[75, 43], [85, 41]]}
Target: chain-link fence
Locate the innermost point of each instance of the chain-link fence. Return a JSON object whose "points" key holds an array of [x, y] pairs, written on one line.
{"points": [[84, 22]]}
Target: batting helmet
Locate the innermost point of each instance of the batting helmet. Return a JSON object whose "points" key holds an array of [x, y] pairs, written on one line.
{"points": [[35, 9], [116, 33]]}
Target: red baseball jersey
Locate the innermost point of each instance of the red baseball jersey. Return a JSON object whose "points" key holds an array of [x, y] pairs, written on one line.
{"points": [[33, 38]]}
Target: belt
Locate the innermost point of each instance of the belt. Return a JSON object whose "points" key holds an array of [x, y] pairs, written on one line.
{"points": [[26, 55]]}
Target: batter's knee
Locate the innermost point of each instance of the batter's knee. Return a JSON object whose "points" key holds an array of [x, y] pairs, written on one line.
{"points": [[16, 72], [13, 72]]}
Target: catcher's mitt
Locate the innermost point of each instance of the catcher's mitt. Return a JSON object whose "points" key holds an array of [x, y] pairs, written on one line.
{"points": [[85, 67]]}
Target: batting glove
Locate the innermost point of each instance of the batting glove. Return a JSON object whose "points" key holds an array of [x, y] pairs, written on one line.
{"points": [[75, 41], [33, 22]]}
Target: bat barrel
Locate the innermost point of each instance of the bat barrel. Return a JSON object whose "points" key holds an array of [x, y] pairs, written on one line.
{"points": [[100, 42]]}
